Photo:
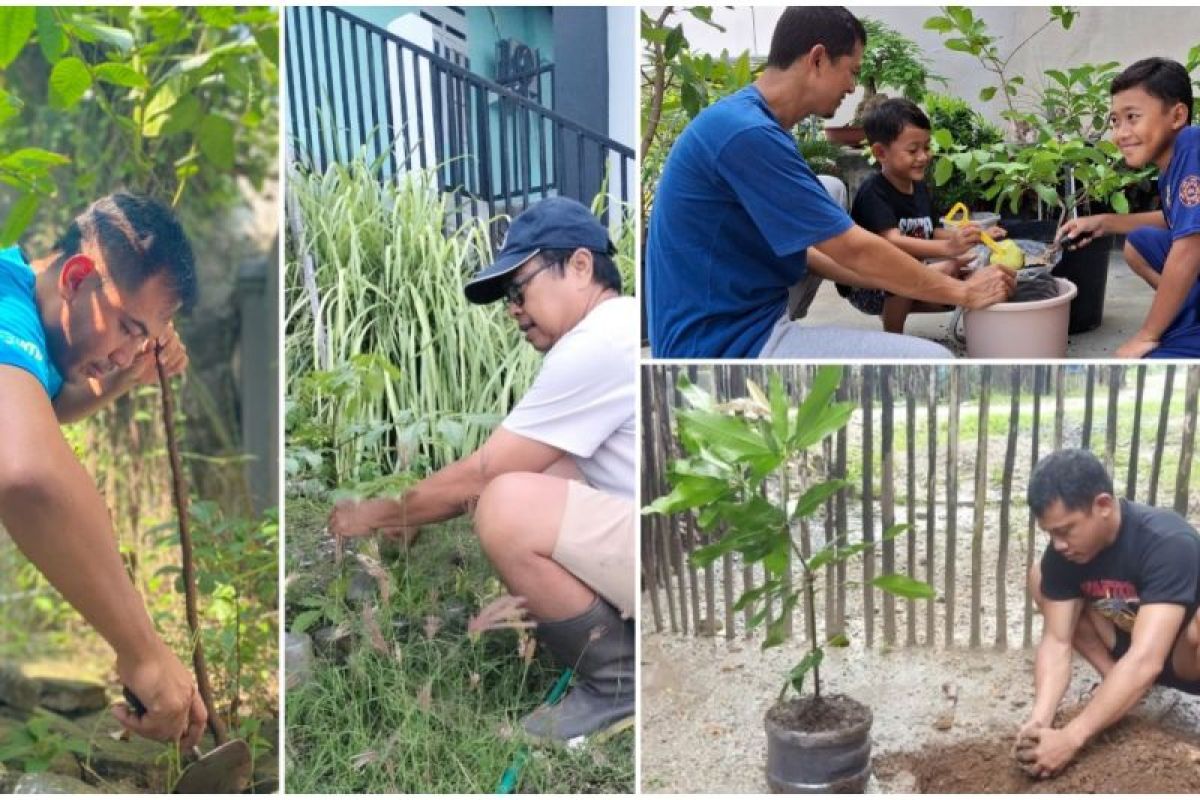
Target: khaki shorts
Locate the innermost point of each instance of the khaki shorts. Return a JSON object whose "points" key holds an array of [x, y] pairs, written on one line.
{"points": [[596, 543]]}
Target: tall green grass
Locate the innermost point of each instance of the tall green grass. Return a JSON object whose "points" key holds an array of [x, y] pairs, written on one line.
{"points": [[389, 277]]}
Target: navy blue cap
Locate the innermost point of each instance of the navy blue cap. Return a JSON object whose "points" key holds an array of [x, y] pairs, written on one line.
{"points": [[556, 223]]}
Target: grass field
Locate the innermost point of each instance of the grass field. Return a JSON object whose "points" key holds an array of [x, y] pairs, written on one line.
{"points": [[420, 707]]}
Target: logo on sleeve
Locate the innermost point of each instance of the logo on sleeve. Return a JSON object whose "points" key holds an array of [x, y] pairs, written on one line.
{"points": [[1189, 191]]}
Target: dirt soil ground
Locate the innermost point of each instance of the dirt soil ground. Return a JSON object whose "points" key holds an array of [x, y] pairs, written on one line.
{"points": [[703, 700], [1137, 756]]}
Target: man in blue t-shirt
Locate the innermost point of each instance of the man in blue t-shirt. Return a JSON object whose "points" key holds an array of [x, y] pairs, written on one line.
{"points": [[1152, 124], [79, 327], [739, 217], [1119, 584]]}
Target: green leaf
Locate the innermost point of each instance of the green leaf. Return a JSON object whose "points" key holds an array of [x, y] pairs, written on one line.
{"points": [[728, 436], [942, 171], [939, 24], [154, 116], [50, 34], [69, 81], [828, 421], [1119, 202], [838, 640], [816, 414], [779, 407], [943, 138], [19, 217], [120, 75], [688, 492], [305, 619], [10, 106], [812, 659], [816, 495], [92, 31], [216, 141], [987, 93], [904, 586], [675, 42], [32, 158], [1048, 194], [693, 394], [268, 43], [16, 24], [218, 16], [185, 115]]}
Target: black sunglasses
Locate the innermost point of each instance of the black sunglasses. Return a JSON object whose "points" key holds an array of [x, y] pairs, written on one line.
{"points": [[514, 293]]}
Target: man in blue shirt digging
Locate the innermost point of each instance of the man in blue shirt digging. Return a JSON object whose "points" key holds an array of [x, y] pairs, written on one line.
{"points": [[79, 327], [739, 218]]}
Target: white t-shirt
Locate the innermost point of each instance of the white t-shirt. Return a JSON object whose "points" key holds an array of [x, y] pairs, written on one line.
{"points": [[583, 399]]}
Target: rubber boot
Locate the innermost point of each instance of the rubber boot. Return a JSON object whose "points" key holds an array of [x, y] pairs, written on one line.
{"points": [[598, 645]]}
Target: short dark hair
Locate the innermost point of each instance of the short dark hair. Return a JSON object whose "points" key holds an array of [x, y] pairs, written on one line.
{"points": [[801, 28], [604, 269], [1159, 77], [1076, 477], [885, 122], [138, 237]]}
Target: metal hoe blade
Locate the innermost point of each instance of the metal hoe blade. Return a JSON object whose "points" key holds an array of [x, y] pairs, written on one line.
{"points": [[223, 770]]}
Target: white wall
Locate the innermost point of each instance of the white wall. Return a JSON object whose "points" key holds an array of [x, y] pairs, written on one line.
{"points": [[1112, 33]]}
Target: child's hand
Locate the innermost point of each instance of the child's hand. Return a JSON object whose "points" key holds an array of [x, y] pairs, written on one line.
{"points": [[963, 238], [996, 232], [952, 267], [1081, 231]]}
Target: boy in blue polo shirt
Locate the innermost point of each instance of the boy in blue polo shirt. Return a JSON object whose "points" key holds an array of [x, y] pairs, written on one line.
{"points": [[1152, 124]]}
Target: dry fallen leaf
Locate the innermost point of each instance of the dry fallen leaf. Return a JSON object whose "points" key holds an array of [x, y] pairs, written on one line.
{"points": [[505, 612], [398, 654], [425, 696], [475, 680], [379, 573], [373, 632], [527, 647], [433, 624], [362, 759]]}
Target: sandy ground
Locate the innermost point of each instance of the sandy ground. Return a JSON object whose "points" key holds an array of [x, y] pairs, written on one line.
{"points": [[1127, 298], [703, 700]]}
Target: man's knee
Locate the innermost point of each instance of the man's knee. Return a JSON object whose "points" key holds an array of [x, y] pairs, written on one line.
{"points": [[498, 512]]}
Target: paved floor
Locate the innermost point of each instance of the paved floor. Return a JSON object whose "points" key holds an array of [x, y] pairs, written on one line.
{"points": [[1126, 303]]}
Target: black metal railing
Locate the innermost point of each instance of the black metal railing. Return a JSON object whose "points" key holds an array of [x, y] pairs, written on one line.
{"points": [[355, 88]]}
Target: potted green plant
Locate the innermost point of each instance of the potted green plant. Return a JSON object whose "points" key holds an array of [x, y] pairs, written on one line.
{"points": [[889, 59], [743, 476]]}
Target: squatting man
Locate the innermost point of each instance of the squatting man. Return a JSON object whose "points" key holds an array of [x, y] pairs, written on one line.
{"points": [[80, 326], [1119, 584], [552, 488]]}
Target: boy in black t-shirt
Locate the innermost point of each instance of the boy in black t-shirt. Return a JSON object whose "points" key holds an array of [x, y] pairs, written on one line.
{"points": [[1110, 564], [895, 203]]}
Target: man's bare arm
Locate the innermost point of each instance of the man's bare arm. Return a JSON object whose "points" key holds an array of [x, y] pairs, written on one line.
{"points": [[876, 263], [450, 491], [52, 510], [1052, 668], [1132, 676]]}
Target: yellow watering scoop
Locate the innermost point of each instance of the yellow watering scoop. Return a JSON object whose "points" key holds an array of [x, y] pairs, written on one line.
{"points": [[1006, 254]]}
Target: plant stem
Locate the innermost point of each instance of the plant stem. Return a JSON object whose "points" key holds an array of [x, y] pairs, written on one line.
{"points": [[185, 547]]}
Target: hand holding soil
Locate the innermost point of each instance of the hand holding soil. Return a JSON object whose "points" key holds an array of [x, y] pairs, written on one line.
{"points": [[987, 287], [1044, 752]]}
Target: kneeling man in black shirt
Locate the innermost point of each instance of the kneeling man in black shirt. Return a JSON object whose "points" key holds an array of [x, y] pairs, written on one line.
{"points": [[1120, 584]]}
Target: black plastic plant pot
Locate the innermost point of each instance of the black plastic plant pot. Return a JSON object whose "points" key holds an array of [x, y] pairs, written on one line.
{"points": [[1086, 267], [836, 761]]}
